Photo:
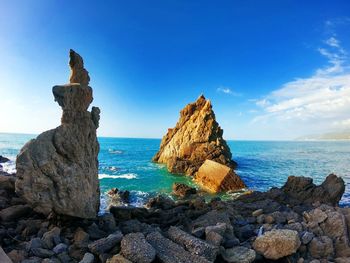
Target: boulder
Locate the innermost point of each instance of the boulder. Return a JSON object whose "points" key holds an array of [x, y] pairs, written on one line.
{"points": [[215, 177], [321, 247], [195, 138], [171, 252], [14, 212], [276, 244], [192, 244], [7, 182], [118, 197], [58, 171], [305, 191], [105, 244], [183, 190], [135, 248]]}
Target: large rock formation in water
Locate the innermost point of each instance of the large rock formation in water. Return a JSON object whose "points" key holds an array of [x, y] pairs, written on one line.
{"points": [[196, 137], [58, 171]]}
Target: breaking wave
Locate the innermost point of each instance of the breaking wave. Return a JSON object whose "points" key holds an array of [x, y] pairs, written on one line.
{"points": [[121, 176]]}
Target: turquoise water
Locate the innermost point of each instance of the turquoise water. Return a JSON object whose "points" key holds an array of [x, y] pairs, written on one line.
{"points": [[125, 163]]}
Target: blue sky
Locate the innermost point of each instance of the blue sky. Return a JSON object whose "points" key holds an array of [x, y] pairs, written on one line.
{"points": [[272, 69]]}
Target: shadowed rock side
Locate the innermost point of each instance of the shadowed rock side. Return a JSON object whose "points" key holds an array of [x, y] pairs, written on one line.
{"points": [[58, 171], [196, 137]]}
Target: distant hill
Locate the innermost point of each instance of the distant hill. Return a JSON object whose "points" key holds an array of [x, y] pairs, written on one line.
{"points": [[345, 135]]}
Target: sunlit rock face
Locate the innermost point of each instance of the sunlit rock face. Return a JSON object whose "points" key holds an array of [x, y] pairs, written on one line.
{"points": [[58, 171], [195, 138], [215, 177]]}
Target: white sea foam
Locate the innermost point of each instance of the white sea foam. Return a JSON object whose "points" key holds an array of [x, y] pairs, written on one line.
{"points": [[115, 151], [113, 168], [9, 167], [121, 176]]}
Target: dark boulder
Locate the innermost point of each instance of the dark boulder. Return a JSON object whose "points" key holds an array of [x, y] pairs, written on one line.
{"points": [[183, 190], [304, 190], [3, 159]]}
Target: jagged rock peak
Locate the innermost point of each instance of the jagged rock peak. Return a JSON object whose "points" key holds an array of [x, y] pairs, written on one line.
{"points": [[78, 73], [195, 138], [58, 171]]}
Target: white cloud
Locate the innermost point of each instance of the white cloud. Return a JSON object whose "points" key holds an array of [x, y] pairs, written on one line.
{"points": [[333, 42], [227, 90], [318, 103]]}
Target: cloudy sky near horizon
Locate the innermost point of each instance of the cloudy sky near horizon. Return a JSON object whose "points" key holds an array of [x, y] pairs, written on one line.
{"points": [[273, 70]]}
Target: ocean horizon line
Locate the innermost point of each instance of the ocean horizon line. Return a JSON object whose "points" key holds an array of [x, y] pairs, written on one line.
{"points": [[229, 140]]}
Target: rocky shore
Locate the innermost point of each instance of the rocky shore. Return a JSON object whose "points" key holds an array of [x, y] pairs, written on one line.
{"points": [[299, 222], [48, 210]]}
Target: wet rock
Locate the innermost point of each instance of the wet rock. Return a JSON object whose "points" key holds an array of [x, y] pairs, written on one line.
{"points": [[321, 247], [104, 244], [238, 255], [215, 177], [183, 190], [121, 213], [118, 197], [14, 212], [277, 244], [195, 138], [58, 171], [305, 191], [135, 248], [170, 252], [193, 244], [3, 159], [88, 258], [161, 201]]}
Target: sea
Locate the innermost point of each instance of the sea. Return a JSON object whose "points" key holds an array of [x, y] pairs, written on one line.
{"points": [[125, 163]]}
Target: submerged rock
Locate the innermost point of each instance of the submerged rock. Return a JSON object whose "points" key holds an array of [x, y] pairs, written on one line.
{"points": [[216, 177], [58, 171], [195, 138]]}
